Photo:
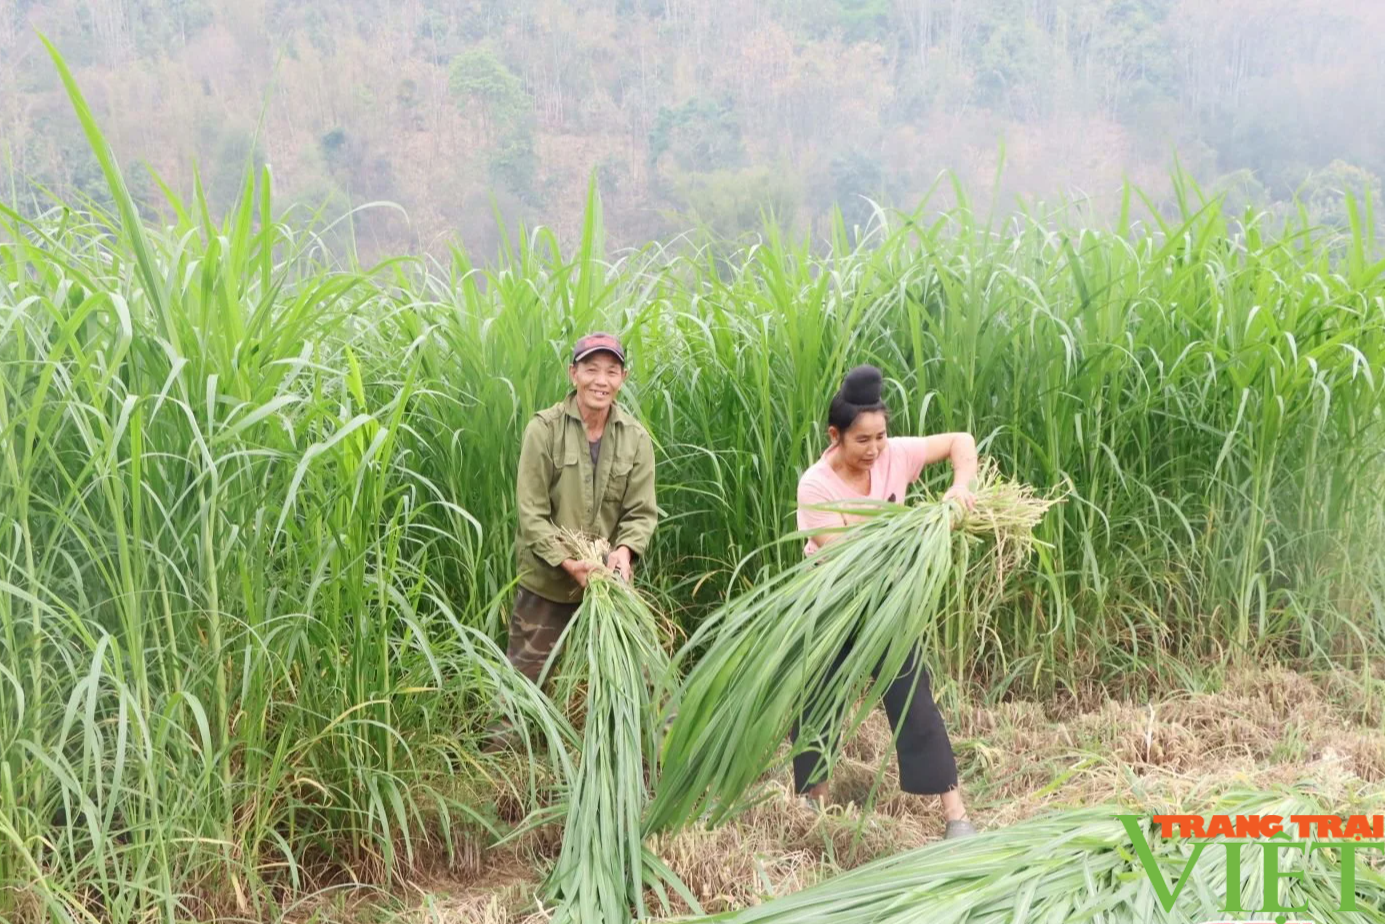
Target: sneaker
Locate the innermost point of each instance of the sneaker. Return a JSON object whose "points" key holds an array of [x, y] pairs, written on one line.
{"points": [[959, 828]]}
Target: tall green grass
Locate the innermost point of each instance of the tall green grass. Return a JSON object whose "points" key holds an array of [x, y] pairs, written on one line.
{"points": [[256, 507], [231, 661]]}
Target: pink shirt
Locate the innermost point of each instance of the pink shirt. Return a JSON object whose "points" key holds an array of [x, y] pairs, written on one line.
{"points": [[894, 470]]}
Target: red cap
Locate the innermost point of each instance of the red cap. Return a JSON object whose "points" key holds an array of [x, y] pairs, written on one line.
{"points": [[594, 343]]}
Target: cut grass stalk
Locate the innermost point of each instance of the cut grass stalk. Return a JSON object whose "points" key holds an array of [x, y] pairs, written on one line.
{"points": [[1075, 865], [877, 589], [610, 652]]}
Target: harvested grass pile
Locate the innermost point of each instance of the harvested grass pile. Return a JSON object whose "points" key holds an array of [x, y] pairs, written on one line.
{"points": [[1077, 865], [877, 589]]}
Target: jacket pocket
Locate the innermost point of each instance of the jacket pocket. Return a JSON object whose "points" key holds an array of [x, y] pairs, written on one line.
{"points": [[565, 491], [617, 480]]}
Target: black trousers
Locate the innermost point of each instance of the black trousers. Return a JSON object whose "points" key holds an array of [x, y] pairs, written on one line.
{"points": [[926, 763]]}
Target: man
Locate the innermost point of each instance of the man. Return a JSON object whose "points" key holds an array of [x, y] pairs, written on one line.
{"points": [[586, 466]]}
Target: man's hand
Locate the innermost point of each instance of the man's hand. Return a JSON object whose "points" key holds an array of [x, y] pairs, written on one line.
{"points": [[578, 570], [962, 495], [619, 562]]}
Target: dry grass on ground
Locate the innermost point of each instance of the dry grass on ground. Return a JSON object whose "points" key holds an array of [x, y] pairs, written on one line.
{"points": [[1264, 729]]}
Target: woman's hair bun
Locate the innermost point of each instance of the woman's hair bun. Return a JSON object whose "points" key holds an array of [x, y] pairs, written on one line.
{"points": [[862, 386]]}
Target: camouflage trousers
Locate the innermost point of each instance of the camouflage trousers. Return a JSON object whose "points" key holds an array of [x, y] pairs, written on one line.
{"points": [[535, 626]]}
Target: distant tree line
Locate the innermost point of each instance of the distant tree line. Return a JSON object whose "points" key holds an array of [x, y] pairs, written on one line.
{"points": [[714, 111]]}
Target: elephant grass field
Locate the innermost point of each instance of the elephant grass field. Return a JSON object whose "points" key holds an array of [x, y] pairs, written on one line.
{"points": [[257, 503]]}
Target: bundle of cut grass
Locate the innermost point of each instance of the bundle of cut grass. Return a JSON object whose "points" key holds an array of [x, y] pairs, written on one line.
{"points": [[1081, 865], [877, 590], [611, 652]]}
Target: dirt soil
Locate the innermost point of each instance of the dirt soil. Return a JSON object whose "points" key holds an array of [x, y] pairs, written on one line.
{"points": [[1265, 729]]}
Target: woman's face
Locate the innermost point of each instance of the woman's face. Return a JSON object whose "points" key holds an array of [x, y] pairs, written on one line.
{"points": [[597, 379], [863, 441]]}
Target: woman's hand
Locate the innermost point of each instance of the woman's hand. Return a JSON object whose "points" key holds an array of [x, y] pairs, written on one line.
{"points": [[962, 495]]}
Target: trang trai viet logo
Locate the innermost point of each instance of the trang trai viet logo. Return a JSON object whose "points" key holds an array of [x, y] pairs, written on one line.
{"points": [[1275, 837]]}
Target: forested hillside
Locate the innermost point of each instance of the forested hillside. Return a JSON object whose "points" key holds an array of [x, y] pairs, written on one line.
{"points": [[707, 108]]}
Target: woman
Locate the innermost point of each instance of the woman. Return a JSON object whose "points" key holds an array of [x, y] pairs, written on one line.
{"points": [[861, 461]]}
